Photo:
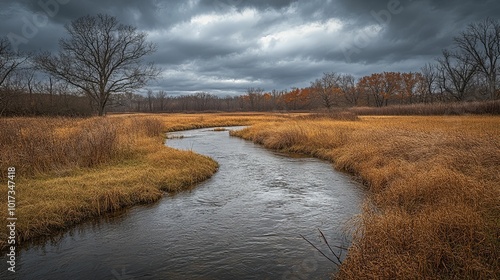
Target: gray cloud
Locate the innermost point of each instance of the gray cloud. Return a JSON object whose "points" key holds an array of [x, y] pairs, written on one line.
{"points": [[225, 46]]}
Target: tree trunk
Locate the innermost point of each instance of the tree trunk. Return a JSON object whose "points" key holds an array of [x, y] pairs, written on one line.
{"points": [[493, 89], [101, 111]]}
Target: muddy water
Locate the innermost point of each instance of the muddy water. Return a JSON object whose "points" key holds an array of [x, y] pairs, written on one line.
{"points": [[244, 223]]}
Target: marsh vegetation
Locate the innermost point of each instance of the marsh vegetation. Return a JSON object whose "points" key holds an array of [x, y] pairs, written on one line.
{"points": [[431, 210]]}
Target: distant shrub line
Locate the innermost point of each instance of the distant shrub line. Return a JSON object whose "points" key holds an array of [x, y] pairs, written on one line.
{"points": [[435, 109]]}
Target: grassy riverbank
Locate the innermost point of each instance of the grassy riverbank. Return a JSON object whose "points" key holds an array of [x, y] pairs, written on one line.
{"points": [[432, 211], [69, 170], [433, 207]]}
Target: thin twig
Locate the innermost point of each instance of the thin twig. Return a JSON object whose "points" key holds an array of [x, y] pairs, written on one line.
{"points": [[319, 250], [331, 250]]}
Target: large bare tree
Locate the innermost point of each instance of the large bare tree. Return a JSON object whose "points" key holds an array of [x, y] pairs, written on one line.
{"points": [[10, 62], [101, 57], [480, 43], [456, 74]]}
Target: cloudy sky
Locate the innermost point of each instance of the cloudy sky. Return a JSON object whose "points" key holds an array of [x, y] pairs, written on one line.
{"points": [[226, 46]]}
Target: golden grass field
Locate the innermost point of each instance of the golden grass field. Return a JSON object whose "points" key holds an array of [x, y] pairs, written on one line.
{"points": [[432, 209], [433, 206]]}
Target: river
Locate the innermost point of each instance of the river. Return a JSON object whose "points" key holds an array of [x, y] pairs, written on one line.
{"points": [[243, 223]]}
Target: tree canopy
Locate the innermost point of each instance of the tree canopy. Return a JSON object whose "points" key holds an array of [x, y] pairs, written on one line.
{"points": [[101, 57]]}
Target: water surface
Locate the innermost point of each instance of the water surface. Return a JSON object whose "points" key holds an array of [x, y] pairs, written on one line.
{"points": [[243, 223]]}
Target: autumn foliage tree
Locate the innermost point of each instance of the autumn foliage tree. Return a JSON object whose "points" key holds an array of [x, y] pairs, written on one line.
{"points": [[412, 87], [381, 86], [298, 99]]}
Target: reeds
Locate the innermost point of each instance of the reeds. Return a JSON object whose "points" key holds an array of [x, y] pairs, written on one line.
{"points": [[433, 206], [69, 170], [446, 109], [433, 199], [339, 115]]}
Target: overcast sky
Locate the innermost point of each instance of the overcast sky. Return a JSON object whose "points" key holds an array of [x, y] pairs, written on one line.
{"points": [[226, 46]]}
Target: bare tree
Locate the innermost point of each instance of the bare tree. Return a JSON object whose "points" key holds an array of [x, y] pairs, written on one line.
{"points": [[10, 61], [456, 73], [255, 98], [347, 86], [430, 78], [480, 43], [150, 100], [101, 57], [138, 100], [326, 88], [161, 97], [201, 100]]}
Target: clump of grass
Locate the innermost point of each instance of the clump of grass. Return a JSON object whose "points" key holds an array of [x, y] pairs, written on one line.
{"points": [[150, 126], [38, 146], [175, 136], [432, 210], [340, 115], [219, 129]]}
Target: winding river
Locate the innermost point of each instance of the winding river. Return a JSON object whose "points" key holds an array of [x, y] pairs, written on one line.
{"points": [[245, 222]]}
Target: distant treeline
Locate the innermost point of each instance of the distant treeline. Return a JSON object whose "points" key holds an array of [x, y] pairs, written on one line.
{"points": [[332, 91], [468, 72]]}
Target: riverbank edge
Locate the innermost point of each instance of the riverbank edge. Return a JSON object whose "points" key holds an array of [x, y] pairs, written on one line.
{"points": [[292, 138], [123, 178], [125, 188]]}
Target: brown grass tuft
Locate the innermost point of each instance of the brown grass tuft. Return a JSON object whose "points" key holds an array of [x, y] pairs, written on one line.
{"points": [[339, 115]]}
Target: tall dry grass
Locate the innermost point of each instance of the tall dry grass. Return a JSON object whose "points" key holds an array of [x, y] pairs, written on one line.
{"points": [[41, 145], [69, 170], [433, 210], [177, 122], [453, 108]]}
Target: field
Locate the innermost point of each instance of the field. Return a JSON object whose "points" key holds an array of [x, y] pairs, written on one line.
{"points": [[432, 209], [69, 170]]}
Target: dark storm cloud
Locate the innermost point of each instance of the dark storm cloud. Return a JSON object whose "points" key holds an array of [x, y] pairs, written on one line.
{"points": [[218, 5], [226, 46], [416, 27]]}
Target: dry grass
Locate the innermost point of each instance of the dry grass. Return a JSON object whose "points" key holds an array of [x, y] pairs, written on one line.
{"points": [[433, 210], [453, 108], [339, 115], [177, 122], [69, 170], [40, 145]]}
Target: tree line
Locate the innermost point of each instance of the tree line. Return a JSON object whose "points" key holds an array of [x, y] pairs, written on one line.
{"points": [[100, 67]]}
